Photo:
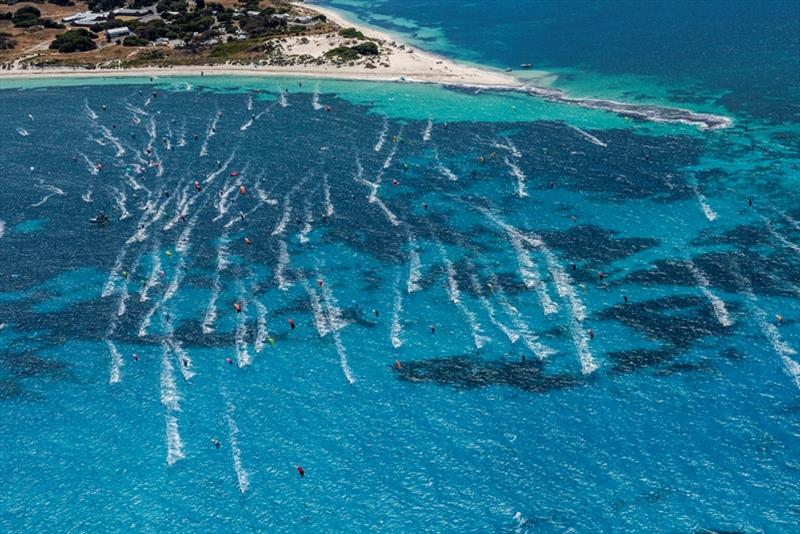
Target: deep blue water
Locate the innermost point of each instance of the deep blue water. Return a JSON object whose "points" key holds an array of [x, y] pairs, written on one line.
{"points": [[741, 54], [606, 356]]}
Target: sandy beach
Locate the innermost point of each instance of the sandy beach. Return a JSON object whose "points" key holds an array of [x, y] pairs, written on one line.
{"points": [[398, 61]]}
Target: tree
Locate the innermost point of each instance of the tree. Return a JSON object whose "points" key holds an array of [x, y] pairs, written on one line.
{"points": [[367, 49], [74, 41]]}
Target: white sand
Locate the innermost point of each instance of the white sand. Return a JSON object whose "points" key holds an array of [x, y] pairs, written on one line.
{"points": [[397, 62]]}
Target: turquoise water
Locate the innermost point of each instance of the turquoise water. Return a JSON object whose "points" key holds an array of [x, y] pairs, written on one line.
{"points": [[661, 396]]}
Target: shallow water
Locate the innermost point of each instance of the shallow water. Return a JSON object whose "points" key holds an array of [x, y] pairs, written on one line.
{"points": [[605, 352]]}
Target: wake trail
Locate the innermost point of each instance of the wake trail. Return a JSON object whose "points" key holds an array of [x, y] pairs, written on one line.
{"points": [[170, 399], [528, 338], [529, 272], [414, 266], [326, 191], [512, 336], [211, 131], [426, 134], [517, 173], [315, 100], [242, 476], [454, 293], [242, 353], [320, 320], [770, 331], [283, 264], [115, 373], [382, 136], [120, 198], [589, 137], [397, 310], [717, 304]]}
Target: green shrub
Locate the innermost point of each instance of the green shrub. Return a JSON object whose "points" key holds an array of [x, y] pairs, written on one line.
{"points": [[367, 49], [351, 33], [342, 53], [134, 40], [74, 41]]}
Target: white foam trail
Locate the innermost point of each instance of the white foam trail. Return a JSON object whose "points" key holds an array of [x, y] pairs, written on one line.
{"points": [[447, 173], [388, 161], [113, 140], [414, 267], [222, 201], [115, 374], [704, 205], [454, 293], [320, 321], [348, 374], [426, 135], [509, 146], [530, 275], [530, 340], [123, 299], [280, 269], [589, 137], [170, 398], [210, 132], [222, 168], [564, 288], [133, 109], [770, 331], [222, 264], [389, 215], [184, 361], [155, 269], [249, 102], [111, 281], [242, 354], [315, 100], [397, 310], [282, 100], [779, 237], [718, 305], [519, 175], [87, 196], [326, 191], [490, 311], [23, 132], [280, 228], [233, 433], [120, 198], [307, 227], [332, 310], [261, 333], [792, 221], [211, 309], [577, 310], [264, 197], [2, 228], [382, 136], [91, 167], [89, 111], [147, 102], [174, 443], [43, 200]]}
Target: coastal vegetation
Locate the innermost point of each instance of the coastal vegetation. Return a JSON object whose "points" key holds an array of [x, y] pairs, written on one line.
{"points": [[78, 40], [177, 32], [351, 33], [352, 53]]}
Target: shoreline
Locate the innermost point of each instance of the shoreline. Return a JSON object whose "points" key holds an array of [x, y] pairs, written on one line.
{"points": [[406, 64]]}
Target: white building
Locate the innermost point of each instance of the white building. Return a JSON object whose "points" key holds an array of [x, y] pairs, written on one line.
{"points": [[116, 33]]}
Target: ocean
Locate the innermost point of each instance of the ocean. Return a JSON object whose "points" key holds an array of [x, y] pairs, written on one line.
{"points": [[456, 310]]}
